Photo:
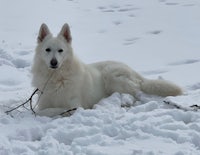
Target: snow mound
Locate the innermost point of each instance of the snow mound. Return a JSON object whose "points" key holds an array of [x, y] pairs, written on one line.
{"points": [[143, 129]]}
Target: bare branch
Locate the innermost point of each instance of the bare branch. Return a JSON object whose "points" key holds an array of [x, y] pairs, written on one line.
{"points": [[68, 112], [190, 108], [23, 104]]}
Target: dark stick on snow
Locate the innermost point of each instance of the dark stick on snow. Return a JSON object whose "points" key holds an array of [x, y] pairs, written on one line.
{"points": [[190, 108], [23, 104], [68, 112]]}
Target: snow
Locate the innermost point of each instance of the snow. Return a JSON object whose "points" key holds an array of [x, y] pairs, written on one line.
{"points": [[157, 38]]}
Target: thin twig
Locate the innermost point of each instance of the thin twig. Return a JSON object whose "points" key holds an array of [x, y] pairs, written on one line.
{"points": [[23, 104], [68, 112], [195, 107], [30, 99], [190, 108], [44, 87]]}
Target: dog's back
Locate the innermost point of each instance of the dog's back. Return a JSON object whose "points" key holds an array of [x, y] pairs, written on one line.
{"points": [[118, 77]]}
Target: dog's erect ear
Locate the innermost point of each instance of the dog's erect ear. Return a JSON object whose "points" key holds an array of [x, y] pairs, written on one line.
{"points": [[44, 31], [65, 32]]}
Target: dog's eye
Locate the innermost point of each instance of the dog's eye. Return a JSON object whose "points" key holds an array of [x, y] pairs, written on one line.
{"points": [[60, 50], [48, 50]]}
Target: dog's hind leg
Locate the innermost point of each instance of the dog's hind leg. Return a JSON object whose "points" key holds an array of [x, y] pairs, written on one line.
{"points": [[122, 80]]}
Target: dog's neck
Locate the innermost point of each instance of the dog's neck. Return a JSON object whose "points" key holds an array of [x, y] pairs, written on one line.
{"points": [[72, 66]]}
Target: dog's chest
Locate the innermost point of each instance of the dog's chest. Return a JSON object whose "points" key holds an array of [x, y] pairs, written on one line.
{"points": [[62, 92], [62, 83]]}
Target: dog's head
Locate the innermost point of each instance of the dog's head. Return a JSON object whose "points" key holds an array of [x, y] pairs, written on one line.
{"points": [[54, 50]]}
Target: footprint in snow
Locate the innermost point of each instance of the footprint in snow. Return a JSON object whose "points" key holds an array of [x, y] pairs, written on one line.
{"points": [[155, 32], [105, 9], [188, 5], [130, 41], [114, 6], [172, 3], [9, 60], [117, 22], [185, 62], [21, 53], [127, 9], [131, 15], [169, 3], [117, 8], [20, 63]]}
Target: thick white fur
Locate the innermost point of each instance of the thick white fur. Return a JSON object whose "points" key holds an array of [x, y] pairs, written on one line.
{"points": [[75, 84]]}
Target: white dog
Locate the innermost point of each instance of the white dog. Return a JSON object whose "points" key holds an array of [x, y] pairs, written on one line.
{"points": [[66, 82]]}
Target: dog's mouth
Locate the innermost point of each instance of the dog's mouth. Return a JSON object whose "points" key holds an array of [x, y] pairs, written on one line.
{"points": [[53, 67]]}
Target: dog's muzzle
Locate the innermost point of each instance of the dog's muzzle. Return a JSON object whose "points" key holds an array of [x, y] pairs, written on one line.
{"points": [[54, 63]]}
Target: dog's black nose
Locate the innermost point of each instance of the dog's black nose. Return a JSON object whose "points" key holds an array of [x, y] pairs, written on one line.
{"points": [[54, 63]]}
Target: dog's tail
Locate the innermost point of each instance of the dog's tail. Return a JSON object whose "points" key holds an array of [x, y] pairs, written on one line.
{"points": [[160, 87]]}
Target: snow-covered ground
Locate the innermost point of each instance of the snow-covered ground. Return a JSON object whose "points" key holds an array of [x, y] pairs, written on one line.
{"points": [[157, 38]]}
